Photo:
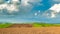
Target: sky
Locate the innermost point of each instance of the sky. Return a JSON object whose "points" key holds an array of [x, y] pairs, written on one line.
{"points": [[19, 11]]}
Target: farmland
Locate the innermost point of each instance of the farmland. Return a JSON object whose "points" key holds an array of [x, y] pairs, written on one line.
{"points": [[34, 28], [35, 24]]}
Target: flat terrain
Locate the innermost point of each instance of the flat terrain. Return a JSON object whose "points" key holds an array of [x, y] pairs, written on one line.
{"points": [[30, 30]]}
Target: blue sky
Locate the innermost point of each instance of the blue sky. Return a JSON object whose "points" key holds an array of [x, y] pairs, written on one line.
{"points": [[29, 11]]}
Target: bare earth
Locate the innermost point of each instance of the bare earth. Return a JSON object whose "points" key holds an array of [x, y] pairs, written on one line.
{"points": [[31, 30]]}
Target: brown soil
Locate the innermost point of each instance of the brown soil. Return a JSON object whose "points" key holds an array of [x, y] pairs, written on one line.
{"points": [[20, 25], [31, 30], [28, 29]]}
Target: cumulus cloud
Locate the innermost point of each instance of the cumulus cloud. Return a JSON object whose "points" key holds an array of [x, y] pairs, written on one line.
{"points": [[26, 6], [56, 8], [10, 6], [53, 11], [25, 2], [30, 2], [29, 5]]}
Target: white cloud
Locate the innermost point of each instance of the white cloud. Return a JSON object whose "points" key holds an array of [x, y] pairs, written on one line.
{"points": [[15, 1], [36, 14], [54, 10], [25, 2], [10, 7], [3, 6], [53, 15]]}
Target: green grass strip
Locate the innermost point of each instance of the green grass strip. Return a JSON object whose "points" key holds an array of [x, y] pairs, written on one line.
{"points": [[5, 25]]}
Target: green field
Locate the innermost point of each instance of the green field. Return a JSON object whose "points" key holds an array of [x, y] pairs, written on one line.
{"points": [[44, 24], [35, 24], [5, 25]]}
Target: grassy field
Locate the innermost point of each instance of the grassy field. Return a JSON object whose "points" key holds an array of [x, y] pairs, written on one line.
{"points": [[5, 25], [35, 24], [44, 24]]}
